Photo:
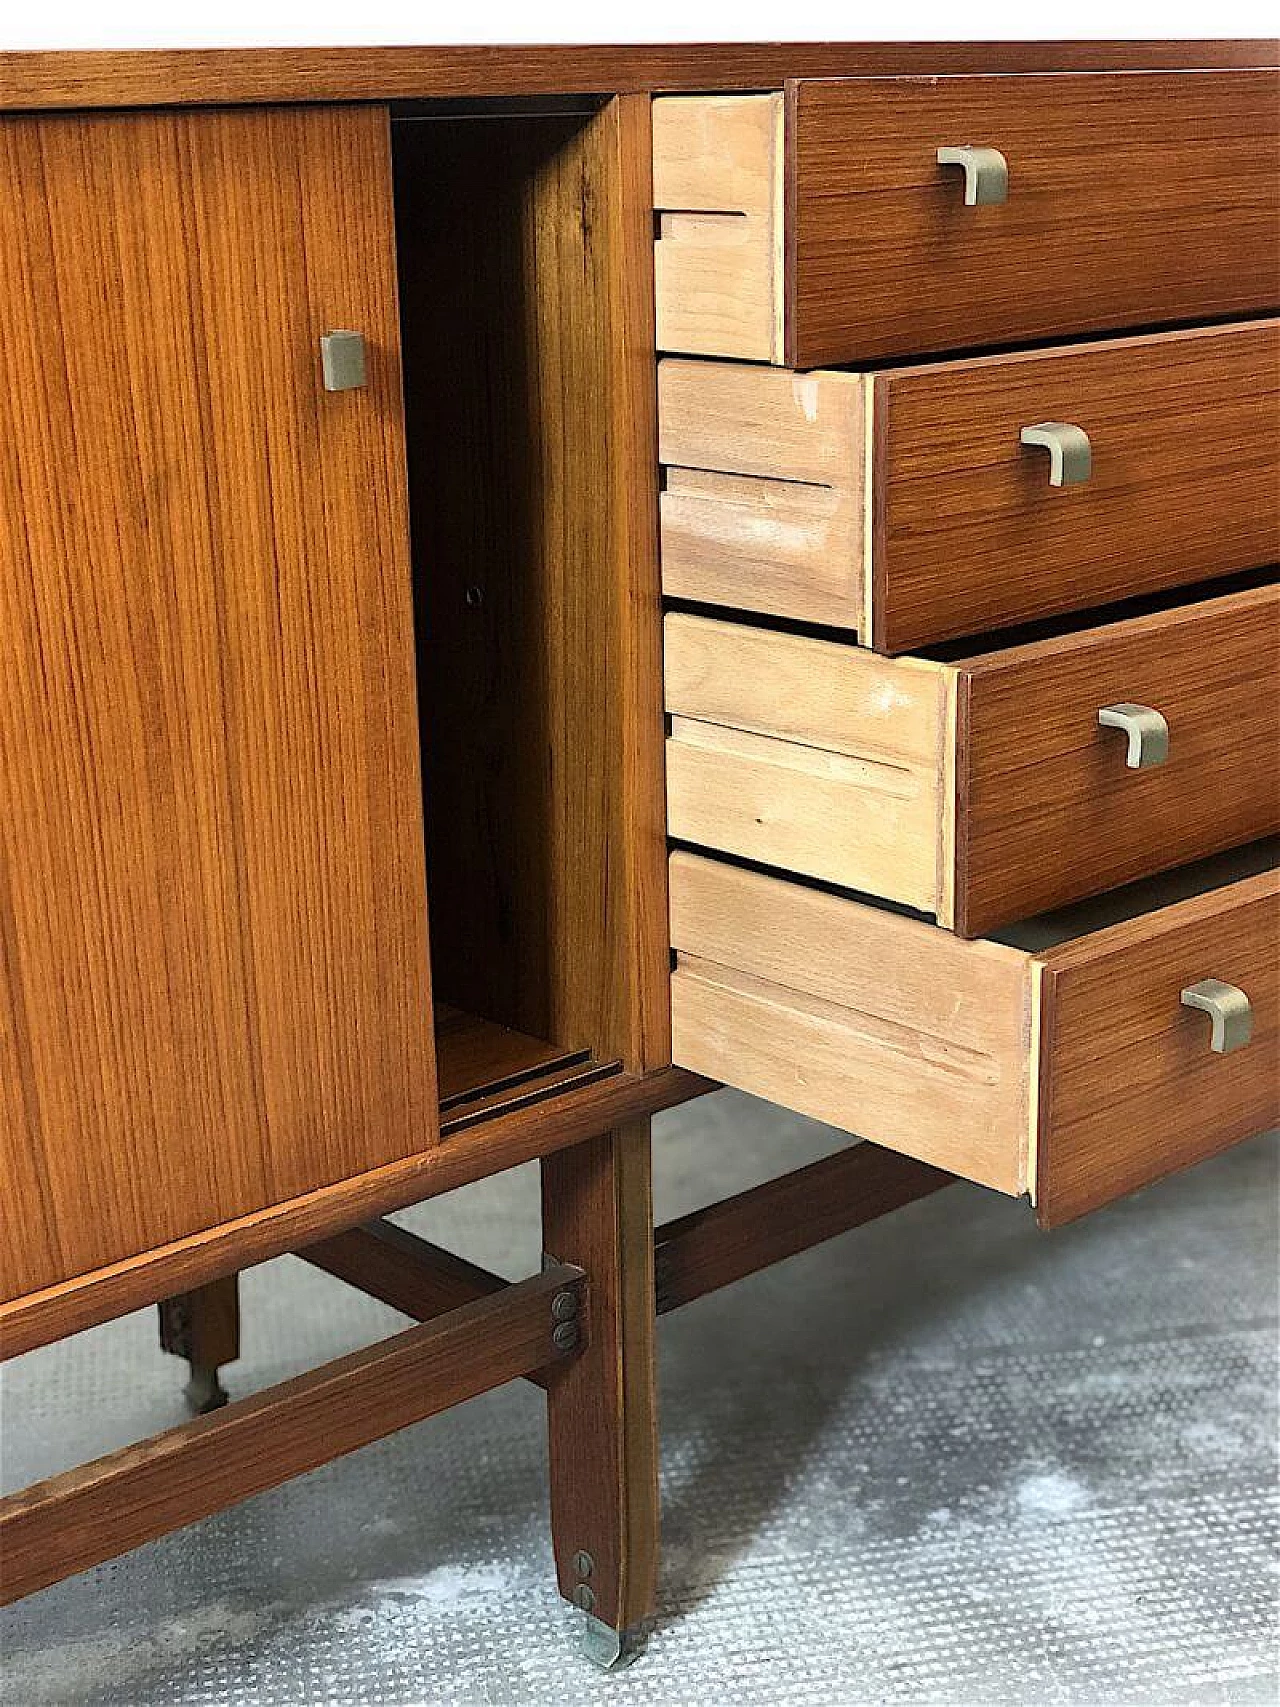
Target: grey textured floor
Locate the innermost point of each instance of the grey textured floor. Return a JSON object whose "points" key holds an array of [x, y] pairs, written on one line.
{"points": [[943, 1459]]}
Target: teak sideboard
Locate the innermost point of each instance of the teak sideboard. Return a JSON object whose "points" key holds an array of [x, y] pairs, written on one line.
{"points": [[541, 580]]}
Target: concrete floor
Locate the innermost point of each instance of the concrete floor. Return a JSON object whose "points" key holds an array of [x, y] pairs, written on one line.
{"points": [[943, 1459]]}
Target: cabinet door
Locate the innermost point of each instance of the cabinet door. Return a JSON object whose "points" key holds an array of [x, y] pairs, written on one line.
{"points": [[213, 968]]}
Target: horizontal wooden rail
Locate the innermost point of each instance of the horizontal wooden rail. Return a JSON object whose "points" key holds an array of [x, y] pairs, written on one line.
{"points": [[73, 1521], [698, 1254], [736, 1237], [410, 1274]]}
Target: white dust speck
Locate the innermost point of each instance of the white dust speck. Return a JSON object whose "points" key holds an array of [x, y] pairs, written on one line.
{"points": [[806, 391], [1051, 1494]]}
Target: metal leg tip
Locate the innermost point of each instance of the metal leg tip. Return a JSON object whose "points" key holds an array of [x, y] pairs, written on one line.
{"points": [[204, 1392], [608, 1648]]}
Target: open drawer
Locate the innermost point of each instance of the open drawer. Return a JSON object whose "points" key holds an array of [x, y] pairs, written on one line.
{"points": [[986, 789], [1081, 1057], [917, 504], [858, 217]]}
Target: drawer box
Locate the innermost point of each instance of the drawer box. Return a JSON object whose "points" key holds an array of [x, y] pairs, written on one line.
{"points": [[905, 505], [818, 226], [1063, 1064], [984, 790]]}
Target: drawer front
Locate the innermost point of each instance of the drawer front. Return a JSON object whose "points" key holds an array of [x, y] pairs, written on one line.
{"points": [[1073, 1071], [1132, 200], [1130, 1087], [906, 506], [988, 790], [1183, 481], [1047, 807]]}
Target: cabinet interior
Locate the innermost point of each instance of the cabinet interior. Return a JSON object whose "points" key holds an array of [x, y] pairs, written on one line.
{"points": [[506, 235]]}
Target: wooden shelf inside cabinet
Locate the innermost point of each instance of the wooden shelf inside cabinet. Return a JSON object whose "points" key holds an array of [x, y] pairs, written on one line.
{"points": [[486, 1069]]}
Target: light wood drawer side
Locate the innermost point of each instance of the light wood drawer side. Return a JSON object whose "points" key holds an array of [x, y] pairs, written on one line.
{"points": [[816, 758], [874, 1022], [903, 505], [762, 502], [717, 188]]}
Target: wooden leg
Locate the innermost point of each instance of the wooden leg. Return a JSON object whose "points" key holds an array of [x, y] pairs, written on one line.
{"points": [[204, 1327], [601, 1409]]}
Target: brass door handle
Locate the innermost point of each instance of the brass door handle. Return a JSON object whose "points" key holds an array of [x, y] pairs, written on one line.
{"points": [[342, 360], [1229, 1011], [1147, 732], [1070, 453], [986, 173]]}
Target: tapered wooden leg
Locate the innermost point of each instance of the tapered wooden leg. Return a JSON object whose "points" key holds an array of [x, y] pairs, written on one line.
{"points": [[204, 1327], [601, 1409]]}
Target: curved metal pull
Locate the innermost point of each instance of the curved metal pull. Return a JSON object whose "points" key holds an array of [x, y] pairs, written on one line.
{"points": [[1229, 1010], [342, 360], [1070, 453], [986, 173], [1147, 730]]}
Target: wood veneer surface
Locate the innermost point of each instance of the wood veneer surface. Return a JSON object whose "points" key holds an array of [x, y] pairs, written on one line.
{"points": [[1047, 810], [186, 76], [215, 990], [1130, 1089], [967, 533], [1133, 200]]}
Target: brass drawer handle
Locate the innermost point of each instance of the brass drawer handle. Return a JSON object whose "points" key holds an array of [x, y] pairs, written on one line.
{"points": [[1070, 453], [986, 174], [1147, 730], [1228, 1009], [342, 360]]}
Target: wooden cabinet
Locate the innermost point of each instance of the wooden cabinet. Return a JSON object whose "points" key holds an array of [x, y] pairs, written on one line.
{"points": [[215, 987], [819, 226], [315, 650]]}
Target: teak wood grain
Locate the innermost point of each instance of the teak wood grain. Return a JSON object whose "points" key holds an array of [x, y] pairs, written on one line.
{"points": [[215, 989], [124, 78], [968, 535], [1130, 1089], [601, 1408], [104, 1508], [982, 790], [203, 1326], [474, 1055], [1046, 810], [1133, 200], [740, 1235]]}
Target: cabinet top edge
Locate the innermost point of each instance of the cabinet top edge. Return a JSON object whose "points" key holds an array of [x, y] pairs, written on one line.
{"points": [[34, 81]]}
